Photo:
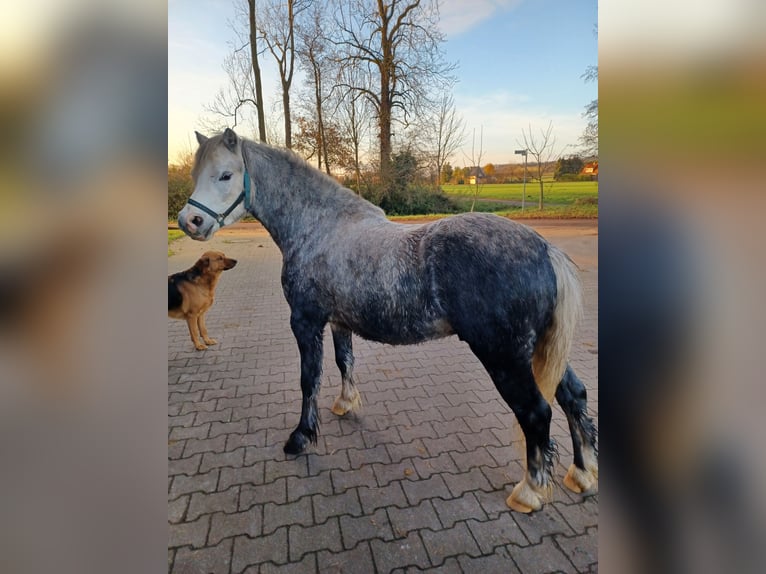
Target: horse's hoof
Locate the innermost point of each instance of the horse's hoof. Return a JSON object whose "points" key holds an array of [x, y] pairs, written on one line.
{"points": [[296, 444], [524, 498], [343, 406], [578, 480]]}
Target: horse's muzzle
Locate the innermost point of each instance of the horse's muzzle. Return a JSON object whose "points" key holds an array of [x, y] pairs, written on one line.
{"points": [[195, 225]]}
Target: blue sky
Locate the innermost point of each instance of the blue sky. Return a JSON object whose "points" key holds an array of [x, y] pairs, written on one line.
{"points": [[520, 63]]}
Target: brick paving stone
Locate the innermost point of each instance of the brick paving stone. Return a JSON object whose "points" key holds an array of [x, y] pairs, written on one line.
{"points": [[183, 433], [313, 538], [276, 515], [336, 505], [434, 465], [376, 497], [219, 428], [189, 533], [419, 490], [491, 534], [361, 457], [252, 474], [217, 444], [233, 459], [581, 550], [268, 548], [542, 558], [465, 481], [367, 527], [386, 473], [399, 553], [544, 522], [458, 509], [299, 487], [404, 520], [223, 416], [230, 525], [306, 566], [449, 542], [183, 484], [208, 503], [283, 468], [177, 509], [188, 466], [437, 446], [319, 462], [355, 561], [209, 560], [477, 458], [342, 480], [274, 492], [500, 562], [398, 452]]}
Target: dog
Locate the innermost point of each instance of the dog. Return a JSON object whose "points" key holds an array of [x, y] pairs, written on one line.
{"points": [[191, 293]]}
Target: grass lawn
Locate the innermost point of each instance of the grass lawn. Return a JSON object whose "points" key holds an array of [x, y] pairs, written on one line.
{"points": [[174, 235], [564, 192]]}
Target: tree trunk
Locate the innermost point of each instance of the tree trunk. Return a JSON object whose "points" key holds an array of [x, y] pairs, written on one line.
{"points": [[384, 121], [256, 73], [288, 121]]}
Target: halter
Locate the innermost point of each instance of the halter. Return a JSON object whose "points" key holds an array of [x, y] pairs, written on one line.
{"points": [[220, 217]]}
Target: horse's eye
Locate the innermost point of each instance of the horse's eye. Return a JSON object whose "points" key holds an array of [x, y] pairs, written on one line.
{"points": [[226, 176]]}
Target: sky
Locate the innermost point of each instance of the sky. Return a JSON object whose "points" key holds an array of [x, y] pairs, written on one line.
{"points": [[520, 64]]}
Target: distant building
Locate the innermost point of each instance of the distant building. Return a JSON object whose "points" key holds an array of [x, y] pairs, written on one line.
{"points": [[475, 173], [591, 169]]}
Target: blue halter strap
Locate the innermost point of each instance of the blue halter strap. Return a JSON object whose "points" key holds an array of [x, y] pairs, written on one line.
{"points": [[220, 217]]}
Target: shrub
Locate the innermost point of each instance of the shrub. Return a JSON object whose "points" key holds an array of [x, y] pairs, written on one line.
{"points": [[411, 200]]}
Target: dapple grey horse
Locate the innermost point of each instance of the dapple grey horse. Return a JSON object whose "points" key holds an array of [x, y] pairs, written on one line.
{"points": [[496, 284]]}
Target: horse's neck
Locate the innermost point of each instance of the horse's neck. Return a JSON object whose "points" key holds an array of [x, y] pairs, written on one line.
{"points": [[288, 209]]}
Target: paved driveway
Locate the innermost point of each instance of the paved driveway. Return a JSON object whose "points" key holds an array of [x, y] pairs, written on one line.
{"points": [[417, 482]]}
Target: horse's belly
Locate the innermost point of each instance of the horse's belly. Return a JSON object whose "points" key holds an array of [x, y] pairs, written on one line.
{"points": [[396, 329]]}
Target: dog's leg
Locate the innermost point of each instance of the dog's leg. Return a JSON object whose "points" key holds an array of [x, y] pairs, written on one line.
{"points": [[203, 331], [191, 322]]}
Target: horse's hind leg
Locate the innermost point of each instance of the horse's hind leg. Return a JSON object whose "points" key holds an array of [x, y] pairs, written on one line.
{"points": [[517, 386], [349, 399], [582, 475], [308, 334]]}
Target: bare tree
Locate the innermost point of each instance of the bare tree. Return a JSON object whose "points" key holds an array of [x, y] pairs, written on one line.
{"points": [[253, 29], [314, 58], [243, 92], [542, 149], [589, 138], [277, 25], [445, 131], [398, 42], [475, 161], [355, 117]]}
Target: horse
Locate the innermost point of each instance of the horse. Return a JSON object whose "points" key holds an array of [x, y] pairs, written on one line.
{"points": [[346, 264]]}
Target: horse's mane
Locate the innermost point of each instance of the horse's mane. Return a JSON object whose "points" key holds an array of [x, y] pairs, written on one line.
{"points": [[284, 165]]}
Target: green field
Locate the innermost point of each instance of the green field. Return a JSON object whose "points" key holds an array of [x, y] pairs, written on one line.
{"points": [[561, 193], [174, 235]]}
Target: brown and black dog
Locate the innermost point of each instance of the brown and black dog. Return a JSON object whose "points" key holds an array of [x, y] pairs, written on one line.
{"points": [[191, 294]]}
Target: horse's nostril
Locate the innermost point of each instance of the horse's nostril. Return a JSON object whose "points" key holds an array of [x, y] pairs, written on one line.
{"points": [[196, 220]]}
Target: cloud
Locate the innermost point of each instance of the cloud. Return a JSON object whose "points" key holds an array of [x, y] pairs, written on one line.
{"points": [[459, 16]]}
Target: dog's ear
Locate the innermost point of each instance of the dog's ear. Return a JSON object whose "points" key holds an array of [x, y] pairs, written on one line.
{"points": [[230, 139]]}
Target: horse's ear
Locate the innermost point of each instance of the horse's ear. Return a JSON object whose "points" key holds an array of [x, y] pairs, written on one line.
{"points": [[230, 139], [200, 138]]}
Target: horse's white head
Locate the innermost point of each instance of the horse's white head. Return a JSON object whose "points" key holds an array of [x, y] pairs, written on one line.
{"points": [[221, 186]]}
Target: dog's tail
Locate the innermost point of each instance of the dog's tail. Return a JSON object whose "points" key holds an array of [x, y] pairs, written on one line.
{"points": [[551, 354]]}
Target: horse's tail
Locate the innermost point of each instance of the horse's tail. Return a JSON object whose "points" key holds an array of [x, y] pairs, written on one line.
{"points": [[551, 355]]}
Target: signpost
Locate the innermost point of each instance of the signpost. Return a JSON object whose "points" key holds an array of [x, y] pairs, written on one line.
{"points": [[524, 193]]}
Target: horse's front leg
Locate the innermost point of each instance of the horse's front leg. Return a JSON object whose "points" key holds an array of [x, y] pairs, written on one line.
{"points": [[308, 334], [349, 399]]}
